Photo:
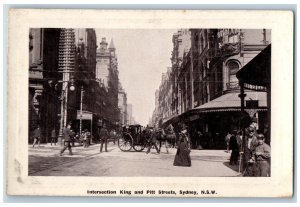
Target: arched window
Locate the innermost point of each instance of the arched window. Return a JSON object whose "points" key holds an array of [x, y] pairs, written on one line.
{"points": [[233, 67]]}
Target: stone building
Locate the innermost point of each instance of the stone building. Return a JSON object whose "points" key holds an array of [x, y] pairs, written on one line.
{"points": [[44, 99], [107, 73], [122, 104], [204, 86]]}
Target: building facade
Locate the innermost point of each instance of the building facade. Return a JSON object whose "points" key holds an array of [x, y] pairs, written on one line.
{"points": [[44, 98], [65, 57], [107, 73], [203, 82], [122, 104]]}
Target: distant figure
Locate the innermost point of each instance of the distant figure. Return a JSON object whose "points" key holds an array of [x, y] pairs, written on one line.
{"points": [[87, 137], [104, 138], [67, 136], [199, 136], [37, 136], [227, 139], [113, 135], [53, 136], [72, 138], [234, 147], [182, 157], [151, 140]]}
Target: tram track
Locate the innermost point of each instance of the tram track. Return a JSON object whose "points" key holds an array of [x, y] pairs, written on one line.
{"points": [[74, 160]]}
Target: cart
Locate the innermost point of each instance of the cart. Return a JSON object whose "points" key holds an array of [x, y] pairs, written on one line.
{"points": [[133, 136]]}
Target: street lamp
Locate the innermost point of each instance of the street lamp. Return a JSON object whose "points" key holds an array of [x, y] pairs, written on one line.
{"points": [[81, 96], [63, 107]]}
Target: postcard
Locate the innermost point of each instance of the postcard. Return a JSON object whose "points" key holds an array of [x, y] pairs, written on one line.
{"points": [[150, 103]]}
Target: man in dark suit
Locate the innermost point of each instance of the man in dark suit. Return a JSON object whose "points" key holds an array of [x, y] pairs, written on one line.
{"points": [[103, 138], [251, 144], [67, 133], [152, 140]]}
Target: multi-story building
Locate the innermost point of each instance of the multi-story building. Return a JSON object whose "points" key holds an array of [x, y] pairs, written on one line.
{"points": [[44, 97], [107, 73], [181, 46], [59, 58], [203, 82], [122, 104]]}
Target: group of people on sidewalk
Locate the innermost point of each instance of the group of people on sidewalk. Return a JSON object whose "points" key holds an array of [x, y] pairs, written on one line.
{"points": [[256, 152]]}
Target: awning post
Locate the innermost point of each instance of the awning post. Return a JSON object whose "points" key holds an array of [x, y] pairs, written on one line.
{"points": [[242, 96]]}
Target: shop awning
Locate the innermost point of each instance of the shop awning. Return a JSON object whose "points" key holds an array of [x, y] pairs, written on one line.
{"points": [[170, 120], [232, 102], [258, 71]]}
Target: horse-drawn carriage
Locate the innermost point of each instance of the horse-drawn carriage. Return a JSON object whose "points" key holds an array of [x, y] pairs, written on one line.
{"points": [[134, 136]]}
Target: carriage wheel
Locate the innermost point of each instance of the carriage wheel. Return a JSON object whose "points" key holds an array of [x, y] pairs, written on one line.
{"points": [[139, 147], [125, 143]]}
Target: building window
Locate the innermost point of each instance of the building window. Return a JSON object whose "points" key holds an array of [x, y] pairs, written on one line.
{"points": [[233, 67]]}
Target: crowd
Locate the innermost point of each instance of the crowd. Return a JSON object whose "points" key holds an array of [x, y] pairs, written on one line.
{"points": [[254, 150]]}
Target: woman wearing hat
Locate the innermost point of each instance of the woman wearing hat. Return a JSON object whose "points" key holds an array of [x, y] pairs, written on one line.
{"points": [[182, 157]]}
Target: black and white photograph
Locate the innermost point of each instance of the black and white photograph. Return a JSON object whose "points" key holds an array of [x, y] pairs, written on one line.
{"points": [[181, 103], [201, 111]]}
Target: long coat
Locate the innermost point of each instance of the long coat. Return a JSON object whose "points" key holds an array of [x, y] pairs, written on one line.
{"points": [[67, 134]]}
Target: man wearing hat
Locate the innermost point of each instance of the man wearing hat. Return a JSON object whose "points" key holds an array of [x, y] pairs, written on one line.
{"points": [[251, 143], [67, 133], [262, 155], [103, 137]]}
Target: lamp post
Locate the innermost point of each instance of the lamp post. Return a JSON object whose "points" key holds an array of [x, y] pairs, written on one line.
{"points": [[63, 108], [81, 96]]}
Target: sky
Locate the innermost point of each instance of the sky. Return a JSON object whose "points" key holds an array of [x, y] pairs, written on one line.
{"points": [[143, 55]]}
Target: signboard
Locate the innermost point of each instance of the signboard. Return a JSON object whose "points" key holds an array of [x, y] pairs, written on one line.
{"points": [[252, 104], [86, 115]]}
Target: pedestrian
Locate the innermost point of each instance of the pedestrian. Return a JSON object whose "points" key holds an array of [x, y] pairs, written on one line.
{"points": [[261, 156], [227, 139], [199, 136], [37, 136], [67, 134], [162, 139], [234, 147], [53, 136], [152, 138], [113, 135], [72, 138], [84, 138], [182, 157], [251, 143], [87, 138], [103, 138]]}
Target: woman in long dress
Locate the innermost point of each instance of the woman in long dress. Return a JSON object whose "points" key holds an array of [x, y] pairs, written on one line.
{"points": [[182, 157]]}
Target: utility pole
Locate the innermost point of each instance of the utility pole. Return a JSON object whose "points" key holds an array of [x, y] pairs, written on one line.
{"points": [[66, 63], [81, 97]]}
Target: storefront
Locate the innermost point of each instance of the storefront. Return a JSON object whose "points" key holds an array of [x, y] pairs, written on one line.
{"points": [[209, 123]]}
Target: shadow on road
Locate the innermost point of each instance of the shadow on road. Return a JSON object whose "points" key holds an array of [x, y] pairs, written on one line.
{"points": [[233, 167], [209, 158]]}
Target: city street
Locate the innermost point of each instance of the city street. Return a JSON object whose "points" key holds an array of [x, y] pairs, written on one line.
{"points": [[45, 161]]}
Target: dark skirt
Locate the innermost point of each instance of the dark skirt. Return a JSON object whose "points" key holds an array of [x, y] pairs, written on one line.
{"points": [[182, 157]]}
